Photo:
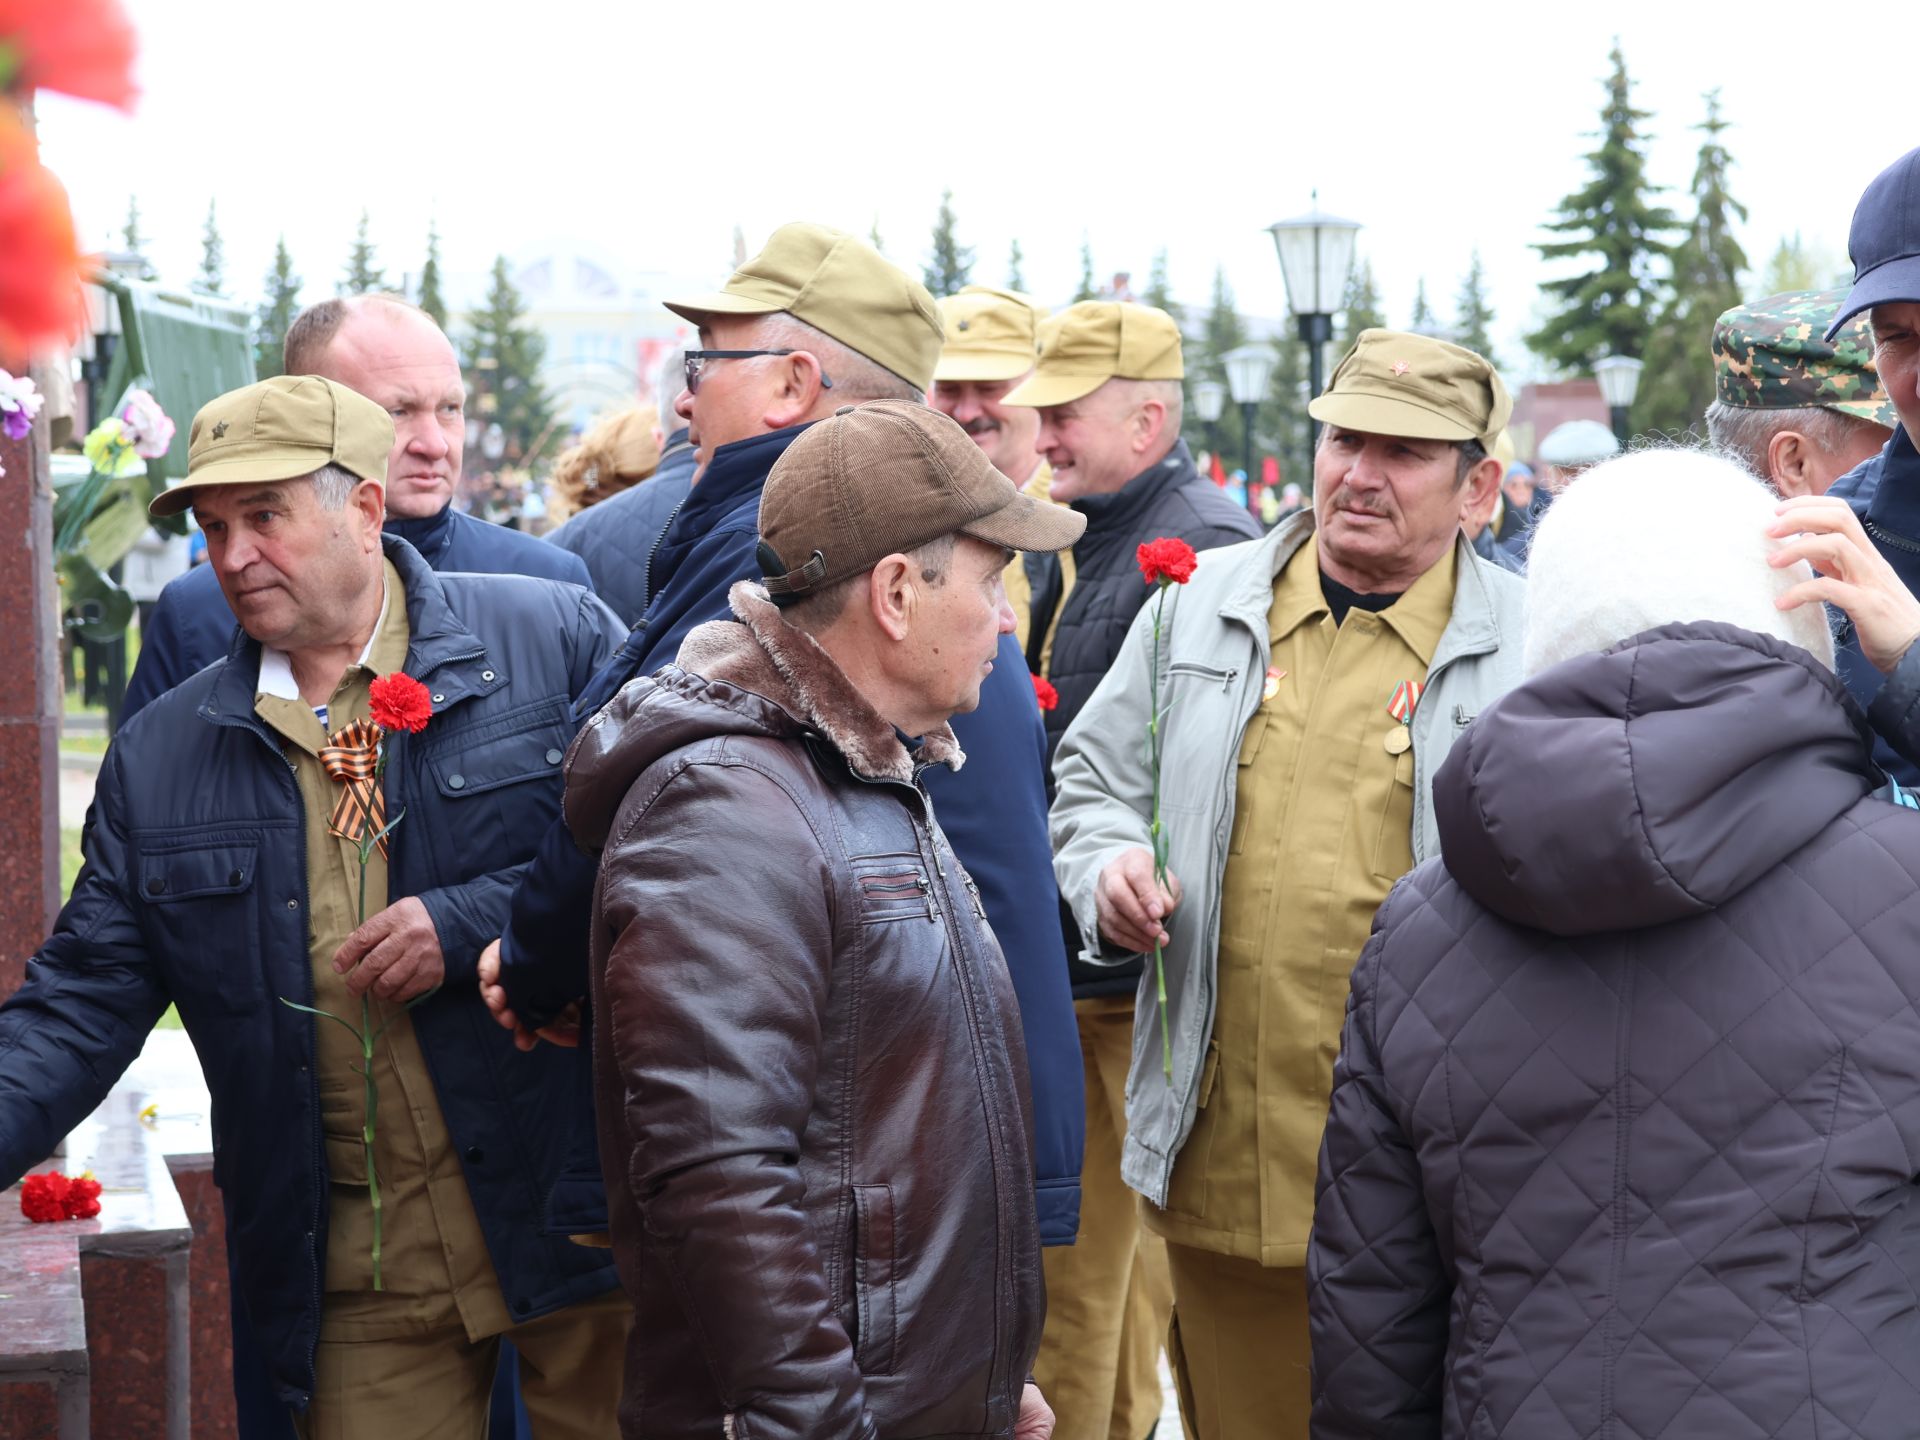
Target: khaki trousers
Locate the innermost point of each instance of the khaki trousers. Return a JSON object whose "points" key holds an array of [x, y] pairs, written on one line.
{"points": [[1108, 1295], [1238, 1347], [436, 1384]]}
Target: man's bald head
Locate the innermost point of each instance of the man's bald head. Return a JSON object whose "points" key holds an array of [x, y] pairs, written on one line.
{"points": [[390, 350]]}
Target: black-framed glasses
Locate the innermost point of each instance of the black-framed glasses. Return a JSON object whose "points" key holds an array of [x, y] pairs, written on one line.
{"points": [[697, 364]]}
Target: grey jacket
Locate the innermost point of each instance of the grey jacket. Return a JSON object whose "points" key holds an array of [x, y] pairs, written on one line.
{"points": [[1626, 1118], [1213, 661]]}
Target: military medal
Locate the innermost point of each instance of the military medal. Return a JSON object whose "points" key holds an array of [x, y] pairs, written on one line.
{"points": [[1272, 686], [1406, 696]]}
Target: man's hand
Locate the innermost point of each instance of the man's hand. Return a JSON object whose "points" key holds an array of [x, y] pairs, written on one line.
{"points": [[1131, 904], [564, 1029], [1849, 573], [1035, 1421], [395, 954]]}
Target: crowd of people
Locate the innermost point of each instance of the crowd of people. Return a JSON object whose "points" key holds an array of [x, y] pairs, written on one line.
{"points": [[911, 904]]}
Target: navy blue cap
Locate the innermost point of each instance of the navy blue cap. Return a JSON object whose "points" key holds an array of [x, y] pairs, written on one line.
{"points": [[1884, 243]]}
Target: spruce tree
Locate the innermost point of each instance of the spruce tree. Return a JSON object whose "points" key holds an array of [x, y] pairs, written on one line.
{"points": [[1473, 313], [1359, 307], [134, 242], [430, 299], [1676, 384], [1608, 309], [951, 264], [276, 314], [1222, 331], [362, 274], [1423, 320], [1089, 287], [1016, 268], [1159, 292], [213, 264], [1791, 267], [501, 358], [873, 237], [1284, 415]]}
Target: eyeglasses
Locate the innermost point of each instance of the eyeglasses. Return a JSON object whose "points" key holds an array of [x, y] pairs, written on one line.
{"points": [[697, 364]]}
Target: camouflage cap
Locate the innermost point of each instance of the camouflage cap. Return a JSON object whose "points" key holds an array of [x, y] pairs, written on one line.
{"points": [[1770, 355]]}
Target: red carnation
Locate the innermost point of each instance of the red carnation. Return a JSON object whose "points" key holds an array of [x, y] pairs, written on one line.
{"points": [[83, 48], [44, 1197], [1044, 692], [399, 702], [1166, 561], [83, 1198]]}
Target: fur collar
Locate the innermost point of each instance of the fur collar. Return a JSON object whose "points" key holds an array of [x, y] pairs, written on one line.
{"points": [[783, 664]]}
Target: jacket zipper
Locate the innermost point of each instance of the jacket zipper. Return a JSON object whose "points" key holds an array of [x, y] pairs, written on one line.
{"points": [[646, 570], [1889, 537]]}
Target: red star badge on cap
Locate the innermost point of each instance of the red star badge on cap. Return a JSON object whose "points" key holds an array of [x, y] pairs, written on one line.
{"points": [[1400, 367]]}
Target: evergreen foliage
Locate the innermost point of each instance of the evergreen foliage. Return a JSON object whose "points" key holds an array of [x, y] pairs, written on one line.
{"points": [[213, 263], [1473, 313], [1159, 291], [275, 315], [1609, 308], [1089, 288], [133, 241], [1423, 321], [1016, 268], [501, 358], [362, 274], [1359, 308], [430, 298], [1676, 384], [950, 266]]}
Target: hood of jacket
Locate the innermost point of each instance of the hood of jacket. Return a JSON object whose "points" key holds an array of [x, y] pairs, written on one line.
{"points": [[1651, 782], [758, 677]]}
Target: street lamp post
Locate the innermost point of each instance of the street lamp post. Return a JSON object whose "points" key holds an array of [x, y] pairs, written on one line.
{"points": [[1209, 399], [1619, 377], [1249, 368], [1316, 252]]}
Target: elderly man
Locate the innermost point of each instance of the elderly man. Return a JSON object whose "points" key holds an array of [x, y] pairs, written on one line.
{"points": [[1884, 491], [816, 320], [772, 1060], [388, 349], [223, 875], [1797, 409], [988, 349], [1310, 684], [1106, 392], [616, 538]]}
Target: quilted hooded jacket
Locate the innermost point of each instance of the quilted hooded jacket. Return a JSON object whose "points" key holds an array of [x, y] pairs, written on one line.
{"points": [[1626, 1122]]}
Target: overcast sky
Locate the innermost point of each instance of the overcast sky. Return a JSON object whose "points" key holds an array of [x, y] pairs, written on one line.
{"points": [[650, 133]]}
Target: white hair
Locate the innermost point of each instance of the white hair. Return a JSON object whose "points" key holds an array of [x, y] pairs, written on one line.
{"points": [[855, 377], [1655, 538], [331, 486]]}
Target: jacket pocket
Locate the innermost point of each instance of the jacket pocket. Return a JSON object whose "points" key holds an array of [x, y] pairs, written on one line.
{"points": [[873, 1279], [493, 794], [200, 912], [1187, 1188], [1393, 846], [893, 887]]}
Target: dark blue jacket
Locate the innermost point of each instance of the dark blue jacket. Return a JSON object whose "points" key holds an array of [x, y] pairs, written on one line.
{"points": [[191, 626], [616, 537], [1885, 493], [194, 892], [994, 813]]}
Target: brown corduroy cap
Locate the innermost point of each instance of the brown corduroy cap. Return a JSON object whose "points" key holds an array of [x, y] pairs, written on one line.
{"points": [[882, 478]]}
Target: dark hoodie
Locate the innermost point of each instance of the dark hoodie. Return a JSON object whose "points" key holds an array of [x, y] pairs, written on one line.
{"points": [[810, 1083], [1626, 1119]]}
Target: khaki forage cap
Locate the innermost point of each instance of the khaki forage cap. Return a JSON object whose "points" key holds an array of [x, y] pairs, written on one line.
{"points": [[1088, 344], [281, 429], [1395, 383], [838, 284], [991, 334], [876, 479]]}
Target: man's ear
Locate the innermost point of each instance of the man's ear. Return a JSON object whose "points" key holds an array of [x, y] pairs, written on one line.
{"points": [[798, 389], [893, 596], [1790, 467], [1149, 424], [369, 500], [1482, 481]]}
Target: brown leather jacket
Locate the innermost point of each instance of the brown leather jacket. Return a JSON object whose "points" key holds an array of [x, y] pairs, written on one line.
{"points": [[811, 1086]]}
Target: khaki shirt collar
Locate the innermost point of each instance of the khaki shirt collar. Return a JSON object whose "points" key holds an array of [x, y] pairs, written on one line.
{"points": [[1419, 617]]}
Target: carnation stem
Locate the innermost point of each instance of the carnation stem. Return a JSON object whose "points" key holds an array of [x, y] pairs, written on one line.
{"points": [[1158, 833]]}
